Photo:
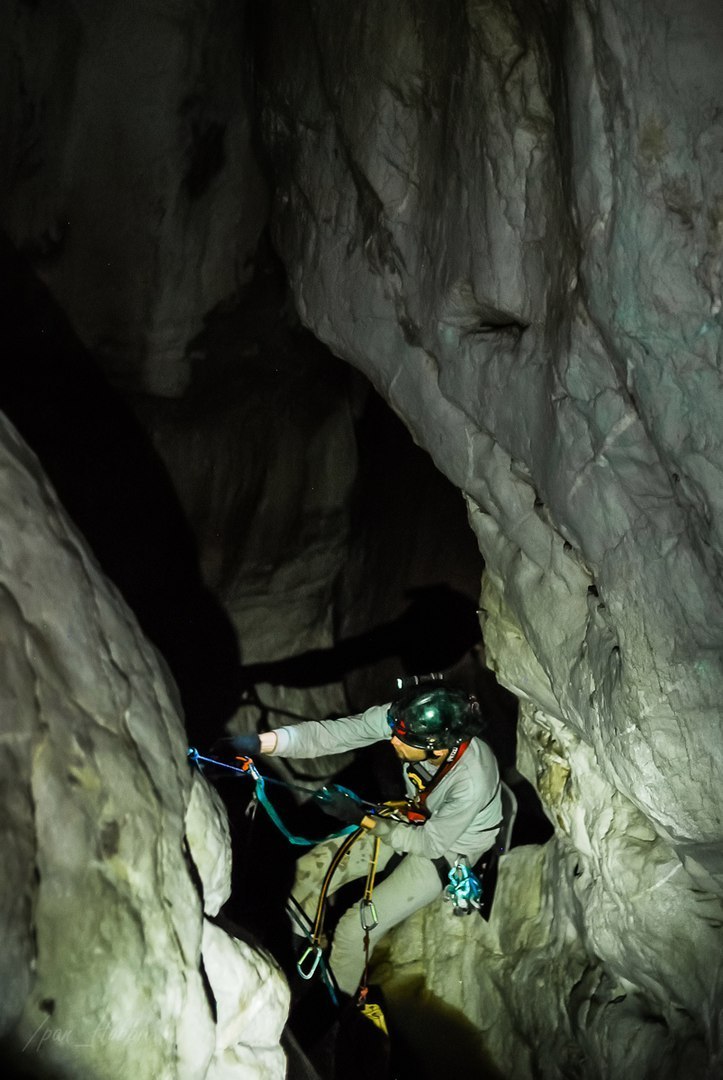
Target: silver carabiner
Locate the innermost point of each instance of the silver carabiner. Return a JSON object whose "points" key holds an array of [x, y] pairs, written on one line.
{"points": [[252, 807], [316, 950], [368, 915]]}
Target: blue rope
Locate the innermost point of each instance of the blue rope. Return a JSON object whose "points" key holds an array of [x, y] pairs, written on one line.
{"points": [[263, 798]]}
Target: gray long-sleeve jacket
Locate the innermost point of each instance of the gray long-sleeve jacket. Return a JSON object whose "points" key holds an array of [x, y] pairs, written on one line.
{"points": [[465, 807]]}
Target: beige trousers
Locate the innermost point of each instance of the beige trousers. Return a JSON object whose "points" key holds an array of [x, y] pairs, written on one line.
{"points": [[412, 885]]}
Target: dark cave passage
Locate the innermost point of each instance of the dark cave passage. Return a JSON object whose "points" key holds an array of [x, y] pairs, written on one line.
{"points": [[107, 470], [395, 612], [437, 629], [113, 484]]}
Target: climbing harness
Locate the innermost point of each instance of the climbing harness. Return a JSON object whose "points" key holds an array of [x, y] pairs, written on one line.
{"points": [[463, 888], [416, 810], [312, 957], [372, 1010]]}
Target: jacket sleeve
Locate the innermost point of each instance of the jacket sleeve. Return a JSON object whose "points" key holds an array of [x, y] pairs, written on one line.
{"points": [[318, 738], [440, 833]]}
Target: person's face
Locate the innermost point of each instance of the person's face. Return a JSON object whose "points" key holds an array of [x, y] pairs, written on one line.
{"points": [[412, 753]]}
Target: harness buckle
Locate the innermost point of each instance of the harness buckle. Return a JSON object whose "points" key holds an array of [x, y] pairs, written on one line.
{"points": [[315, 951], [368, 915]]}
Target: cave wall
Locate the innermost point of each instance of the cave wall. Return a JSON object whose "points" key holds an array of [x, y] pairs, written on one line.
{"points": [[509, 217], [462, 179], [130, 182], [129, 187], [128, 172], [116, 856]]}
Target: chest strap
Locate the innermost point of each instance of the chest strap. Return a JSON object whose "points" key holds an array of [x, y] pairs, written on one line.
{"points": [[417, 812]]}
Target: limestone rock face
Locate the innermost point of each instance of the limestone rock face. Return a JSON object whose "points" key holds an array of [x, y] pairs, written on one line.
{"points": [[509, 216], [112, 850], [461, 293], [598, 958], [510, 219], [127, 172]]}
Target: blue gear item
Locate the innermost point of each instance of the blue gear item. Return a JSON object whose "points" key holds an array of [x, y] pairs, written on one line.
{"points": [[247, 768], [464, 889]]}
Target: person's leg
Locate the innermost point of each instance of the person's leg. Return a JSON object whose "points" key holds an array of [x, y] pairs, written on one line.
{"points": [[311, 870], [412, 885]]}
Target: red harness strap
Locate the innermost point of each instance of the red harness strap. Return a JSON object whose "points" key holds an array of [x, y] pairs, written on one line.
{"points": [[417, 812]]}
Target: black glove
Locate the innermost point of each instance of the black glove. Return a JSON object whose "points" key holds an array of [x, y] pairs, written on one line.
{"points": [[339, 805], [246, 745]]}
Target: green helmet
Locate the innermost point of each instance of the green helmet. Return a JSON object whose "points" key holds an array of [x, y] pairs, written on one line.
{"points": [[434, 717]]}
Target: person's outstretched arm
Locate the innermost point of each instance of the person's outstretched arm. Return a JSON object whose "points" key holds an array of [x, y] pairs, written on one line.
{"points": [[317, 738]]}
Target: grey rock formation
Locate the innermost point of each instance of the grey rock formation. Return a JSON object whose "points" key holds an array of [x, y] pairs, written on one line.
{"points": [[112, 852], [510, 219], [127, 171]]}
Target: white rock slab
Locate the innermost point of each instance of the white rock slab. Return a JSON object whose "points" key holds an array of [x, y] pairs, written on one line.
{"points": [[103, 963]]}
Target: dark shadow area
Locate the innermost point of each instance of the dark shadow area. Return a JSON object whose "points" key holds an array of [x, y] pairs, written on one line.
{"points": [[29, 1062], [111, 481], [435, 631], [431, 1039]]}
